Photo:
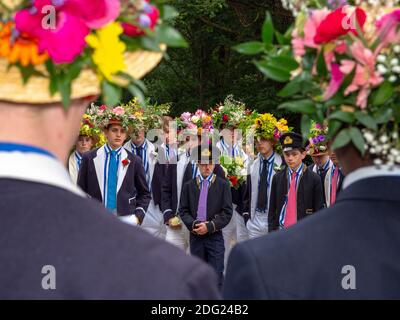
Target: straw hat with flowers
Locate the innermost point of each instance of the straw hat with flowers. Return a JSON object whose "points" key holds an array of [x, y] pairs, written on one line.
{"points": [[76, 49]]}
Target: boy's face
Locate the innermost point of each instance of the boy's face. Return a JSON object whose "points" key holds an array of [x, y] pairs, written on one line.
{"points": [[206, 169], [115, 135], [84, 144], [294, 158], [264, 146], [138, 137], [320, 160]]}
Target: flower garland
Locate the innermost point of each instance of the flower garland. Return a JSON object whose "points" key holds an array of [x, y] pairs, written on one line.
{"points": [[229, 114], [317, 139], [341, 59], [235, 170], [103, 116], [71, 36]]}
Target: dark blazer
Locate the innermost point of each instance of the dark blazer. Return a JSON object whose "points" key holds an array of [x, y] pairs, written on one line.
{"points": [[219, 204], [169, 191], [133, 195], [157, 181], [95, 255], [309, 196], [308, 260]]}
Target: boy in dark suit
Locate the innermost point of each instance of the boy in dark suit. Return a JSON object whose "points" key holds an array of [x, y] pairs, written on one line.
{"points": [[296, 191], [114, 176], [206, 208]]}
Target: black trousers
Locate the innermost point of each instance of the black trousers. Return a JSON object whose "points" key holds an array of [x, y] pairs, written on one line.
{"points": [[211, 249]]}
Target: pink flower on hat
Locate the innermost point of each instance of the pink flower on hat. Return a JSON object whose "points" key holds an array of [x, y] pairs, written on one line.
{"points": [[119, 111], [74, 19]]}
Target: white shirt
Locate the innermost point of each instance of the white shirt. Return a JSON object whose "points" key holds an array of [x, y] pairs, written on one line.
{"points": [[35, 167], [370, 172]]}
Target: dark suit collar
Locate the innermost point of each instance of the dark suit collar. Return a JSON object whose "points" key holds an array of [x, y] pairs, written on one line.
{"points": [[386, 188]]}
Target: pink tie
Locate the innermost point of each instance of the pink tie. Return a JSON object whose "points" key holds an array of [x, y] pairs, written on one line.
{"points": [[334, 185], [291, 208]]}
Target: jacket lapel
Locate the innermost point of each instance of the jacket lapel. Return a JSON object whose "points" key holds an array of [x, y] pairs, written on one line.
{"points": [[122, 170], [99, 164]]}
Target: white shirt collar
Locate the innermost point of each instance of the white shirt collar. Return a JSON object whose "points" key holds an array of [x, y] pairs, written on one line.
{"points": [[38, 168], [370, 172]]}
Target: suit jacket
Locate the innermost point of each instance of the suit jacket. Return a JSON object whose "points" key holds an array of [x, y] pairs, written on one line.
{"points": [[314, 168], [309, 196], [95, 256], [219, 204], [175, 177], [133, 196], [156, 171], [312, 259], [327, 185], [251, 191]]}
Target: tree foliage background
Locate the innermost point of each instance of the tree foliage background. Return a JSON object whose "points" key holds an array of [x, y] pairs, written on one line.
{"points": [[204, 73]]}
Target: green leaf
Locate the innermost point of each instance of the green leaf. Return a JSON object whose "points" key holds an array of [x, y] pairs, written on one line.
{"points": [[302, 106], [64, 86], [286, 63], [273, 72], [342, 116], [383, 94], [250, 48], [290, 89], [383, 117], [342, 139], [280, 38], [170, 36], [136, 92], [268, 29], [334, 126], [366, 120], [358, 139], [305, 125], [169, 13], [150, 44], [111, 93]]}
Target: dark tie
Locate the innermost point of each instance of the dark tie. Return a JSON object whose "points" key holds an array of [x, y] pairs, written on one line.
{"points": [[139, 152], [262, 188]]}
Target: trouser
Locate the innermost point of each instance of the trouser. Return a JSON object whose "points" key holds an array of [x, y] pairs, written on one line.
{"points": [[210, 248], [257, 225], [153, 221], [242, 233], [229, 233], [178, 237]]}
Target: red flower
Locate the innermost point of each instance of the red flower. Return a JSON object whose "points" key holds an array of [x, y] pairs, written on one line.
{"points": [[125, 162], [225, 118], [337, 24], [234, 180], [103, 107]]}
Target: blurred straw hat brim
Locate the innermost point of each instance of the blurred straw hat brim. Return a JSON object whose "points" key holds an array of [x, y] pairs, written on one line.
{"points": [[36, 90]]}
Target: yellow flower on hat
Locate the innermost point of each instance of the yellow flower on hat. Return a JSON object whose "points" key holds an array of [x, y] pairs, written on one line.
{"points": [[108, 50]]}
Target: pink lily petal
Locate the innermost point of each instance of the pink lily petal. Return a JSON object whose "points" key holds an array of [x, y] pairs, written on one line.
{"points": [[335, 83]]}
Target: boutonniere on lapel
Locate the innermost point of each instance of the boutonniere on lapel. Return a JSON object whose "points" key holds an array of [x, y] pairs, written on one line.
{"points": [[277, 167], [125, 162]]}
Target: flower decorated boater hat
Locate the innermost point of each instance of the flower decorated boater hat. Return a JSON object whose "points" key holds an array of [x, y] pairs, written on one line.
{"points": [[75, 49], [317, 140]]}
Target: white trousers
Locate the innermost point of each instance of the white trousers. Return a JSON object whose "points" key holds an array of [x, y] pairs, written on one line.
{"points": [[242, 233], [153, 221], [230, 236], [258, 225], [179, 237]]}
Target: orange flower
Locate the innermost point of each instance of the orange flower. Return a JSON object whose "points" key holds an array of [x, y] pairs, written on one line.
{"points": [[23, 50]]}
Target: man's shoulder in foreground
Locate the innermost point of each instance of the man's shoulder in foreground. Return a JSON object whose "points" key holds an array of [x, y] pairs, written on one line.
{"points": [[348, 251], [95, 256]]}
